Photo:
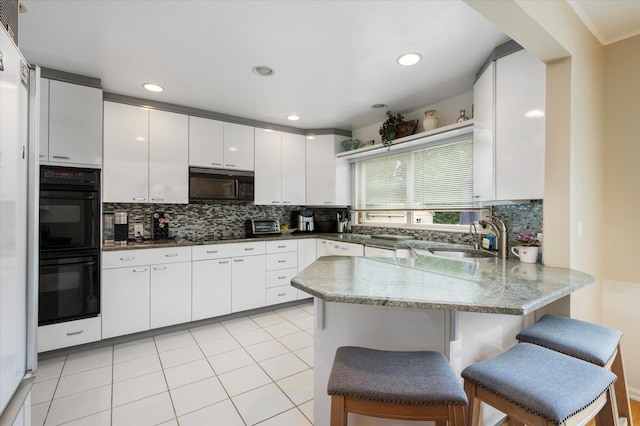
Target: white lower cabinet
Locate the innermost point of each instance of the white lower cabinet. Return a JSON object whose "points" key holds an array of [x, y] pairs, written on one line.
{"points": [[170, 294], [379, 252], [247, 283], [339, 248], [125, 300], [71, 333], [211, 288], [307, 254], [281, 266]]}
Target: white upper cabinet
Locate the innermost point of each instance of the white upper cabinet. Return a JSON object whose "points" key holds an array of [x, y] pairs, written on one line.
{"points": [[72, 131], [168, 157], [238, 146], [126, 154], [146, 155], [206, 143], [327, 178], [483, 131], [520, 126], [509, 129], [279, 168], [268, 167], [293, 169]]}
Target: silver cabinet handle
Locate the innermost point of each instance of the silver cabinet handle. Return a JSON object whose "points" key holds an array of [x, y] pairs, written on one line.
{"points": [[282, 278], [212, 251], [327, 202], [238, 260], [157, 199], [230, 165], [126, 259], [171, 255], [282, 261], [140, 270], [249, 248], [216, 164], [138, 198], [222, 262], [61, 157], [275, 202], [286, 202], [282, 294], [159, 268], [42, 156], [75, 333], [282, 246]]}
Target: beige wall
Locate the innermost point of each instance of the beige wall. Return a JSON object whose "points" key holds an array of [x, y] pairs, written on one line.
{"points": [[622, 160], [574, 175]]}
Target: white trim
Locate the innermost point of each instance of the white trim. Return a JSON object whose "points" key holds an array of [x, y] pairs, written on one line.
{"points": [[463, 229]]}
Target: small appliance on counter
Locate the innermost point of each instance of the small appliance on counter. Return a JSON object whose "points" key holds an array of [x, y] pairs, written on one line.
{"points": [[262, 227], [120, 228], [303, 220], [344, 224], [160, 225]]}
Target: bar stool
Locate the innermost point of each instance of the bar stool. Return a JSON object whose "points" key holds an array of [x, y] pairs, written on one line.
{"points": [[395, 385], [590, 342], [537, 386]]}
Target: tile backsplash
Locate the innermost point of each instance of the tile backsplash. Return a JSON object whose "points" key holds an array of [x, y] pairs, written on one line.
{"points": [[526, 217], [199, 222]]}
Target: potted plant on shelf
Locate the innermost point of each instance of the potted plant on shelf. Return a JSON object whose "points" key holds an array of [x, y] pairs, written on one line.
{"points": [[395, 127]]}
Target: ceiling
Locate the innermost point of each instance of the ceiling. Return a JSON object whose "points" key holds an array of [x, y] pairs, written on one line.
{"points": [[332, 59]]}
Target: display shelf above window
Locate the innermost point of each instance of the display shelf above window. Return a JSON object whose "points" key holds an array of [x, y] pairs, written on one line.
{"points": [[411, 142]]}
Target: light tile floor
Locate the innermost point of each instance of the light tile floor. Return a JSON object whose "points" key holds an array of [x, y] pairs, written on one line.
{"points": [[256, 369]]}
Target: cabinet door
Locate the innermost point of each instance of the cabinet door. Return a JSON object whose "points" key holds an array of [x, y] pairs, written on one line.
{"points": [[483, 135], [238, 146], [247, 283], [125, 301], [211, 285], [75, 124], [322, 248], [306, 256], [168, 157], [378, 252], [520, 126], [293, 169], [170, 294], [268, 167], [320, 170], [344, 249], [126, 152], [44, 119], [205, 142]]}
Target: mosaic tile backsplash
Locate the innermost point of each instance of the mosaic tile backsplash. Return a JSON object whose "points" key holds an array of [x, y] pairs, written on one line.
{"points": [[203, 222], [526, 218]]}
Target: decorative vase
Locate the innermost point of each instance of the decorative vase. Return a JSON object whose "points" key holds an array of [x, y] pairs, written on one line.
{"points": [[463, 116], [430, 121]]}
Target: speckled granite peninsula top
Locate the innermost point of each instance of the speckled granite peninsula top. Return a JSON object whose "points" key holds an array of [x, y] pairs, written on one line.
{"points": [[430, 282]]}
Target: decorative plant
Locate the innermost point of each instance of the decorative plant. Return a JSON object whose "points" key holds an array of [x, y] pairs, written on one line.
{"points": [[528, 240], [389, 128]]}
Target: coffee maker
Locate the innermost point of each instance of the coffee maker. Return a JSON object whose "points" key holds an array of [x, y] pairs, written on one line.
{"points": [[303, 220]]}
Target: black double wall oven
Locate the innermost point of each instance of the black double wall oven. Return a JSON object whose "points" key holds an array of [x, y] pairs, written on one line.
{"points": [[69, 227]]}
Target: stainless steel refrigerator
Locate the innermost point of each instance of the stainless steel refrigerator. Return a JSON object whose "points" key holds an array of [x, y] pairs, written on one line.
{"points": [[18, 245]]}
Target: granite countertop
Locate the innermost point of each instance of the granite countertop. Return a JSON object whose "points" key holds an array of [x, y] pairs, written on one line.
{"points": [[351, 238], [487, 285]]}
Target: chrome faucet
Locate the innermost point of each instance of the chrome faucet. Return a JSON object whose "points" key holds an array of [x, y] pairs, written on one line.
{"points": [[473, 232], [501, 234]]}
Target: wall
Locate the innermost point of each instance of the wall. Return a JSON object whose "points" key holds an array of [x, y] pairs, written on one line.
{"points": [[622, 200], [448, 109]]}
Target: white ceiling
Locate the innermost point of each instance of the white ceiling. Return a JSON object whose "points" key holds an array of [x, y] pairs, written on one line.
{"points": [[332, 59]]}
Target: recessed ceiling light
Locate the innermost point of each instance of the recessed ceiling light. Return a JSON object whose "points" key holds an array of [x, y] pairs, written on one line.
{"points": [[293, 117], [378, 106], [153, 87], [409, 59], [263, 70]]}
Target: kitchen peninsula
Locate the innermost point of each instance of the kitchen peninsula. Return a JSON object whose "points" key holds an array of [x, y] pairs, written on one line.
{"points": [[469, 310]]}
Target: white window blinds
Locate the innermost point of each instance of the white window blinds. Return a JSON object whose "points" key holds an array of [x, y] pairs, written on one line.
{"points": [[428, 178]]}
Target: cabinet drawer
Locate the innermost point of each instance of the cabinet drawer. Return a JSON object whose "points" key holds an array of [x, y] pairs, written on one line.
{"points": [[245, 249], [212, 251], [126, 258], [281, 294], [282, 261], [282, 246], [71, 333], [281, 277]]}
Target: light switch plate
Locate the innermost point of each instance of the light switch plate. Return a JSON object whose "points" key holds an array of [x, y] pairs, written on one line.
{"points": [[138, 229]]}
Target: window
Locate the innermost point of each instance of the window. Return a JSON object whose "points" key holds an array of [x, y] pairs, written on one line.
{"points": [[432, 185]]}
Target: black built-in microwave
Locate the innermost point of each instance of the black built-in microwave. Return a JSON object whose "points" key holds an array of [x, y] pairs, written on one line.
{"points": [[220, 185]]}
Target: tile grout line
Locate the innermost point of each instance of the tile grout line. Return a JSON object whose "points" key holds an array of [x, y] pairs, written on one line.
{"points": [[173, 405]]}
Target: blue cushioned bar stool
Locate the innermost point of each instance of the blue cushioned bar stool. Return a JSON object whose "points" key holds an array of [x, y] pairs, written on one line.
{"points": [[590, 342], [395, 385], [537, 386]]}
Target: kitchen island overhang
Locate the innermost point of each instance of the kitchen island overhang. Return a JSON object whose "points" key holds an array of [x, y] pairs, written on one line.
{"points": [[470, 310]]}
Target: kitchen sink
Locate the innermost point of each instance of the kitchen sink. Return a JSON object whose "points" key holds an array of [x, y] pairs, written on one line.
{"points": [[456, 253]]}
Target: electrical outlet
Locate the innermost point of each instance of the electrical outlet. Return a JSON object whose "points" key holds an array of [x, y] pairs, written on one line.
{"points": [[138, 229]]}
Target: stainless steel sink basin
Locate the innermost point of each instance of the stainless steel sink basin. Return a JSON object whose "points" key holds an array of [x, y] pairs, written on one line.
{"points": [[454, 253]]}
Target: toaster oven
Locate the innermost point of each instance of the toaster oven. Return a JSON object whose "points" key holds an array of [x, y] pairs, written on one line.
{"points": [[259, 227]]}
